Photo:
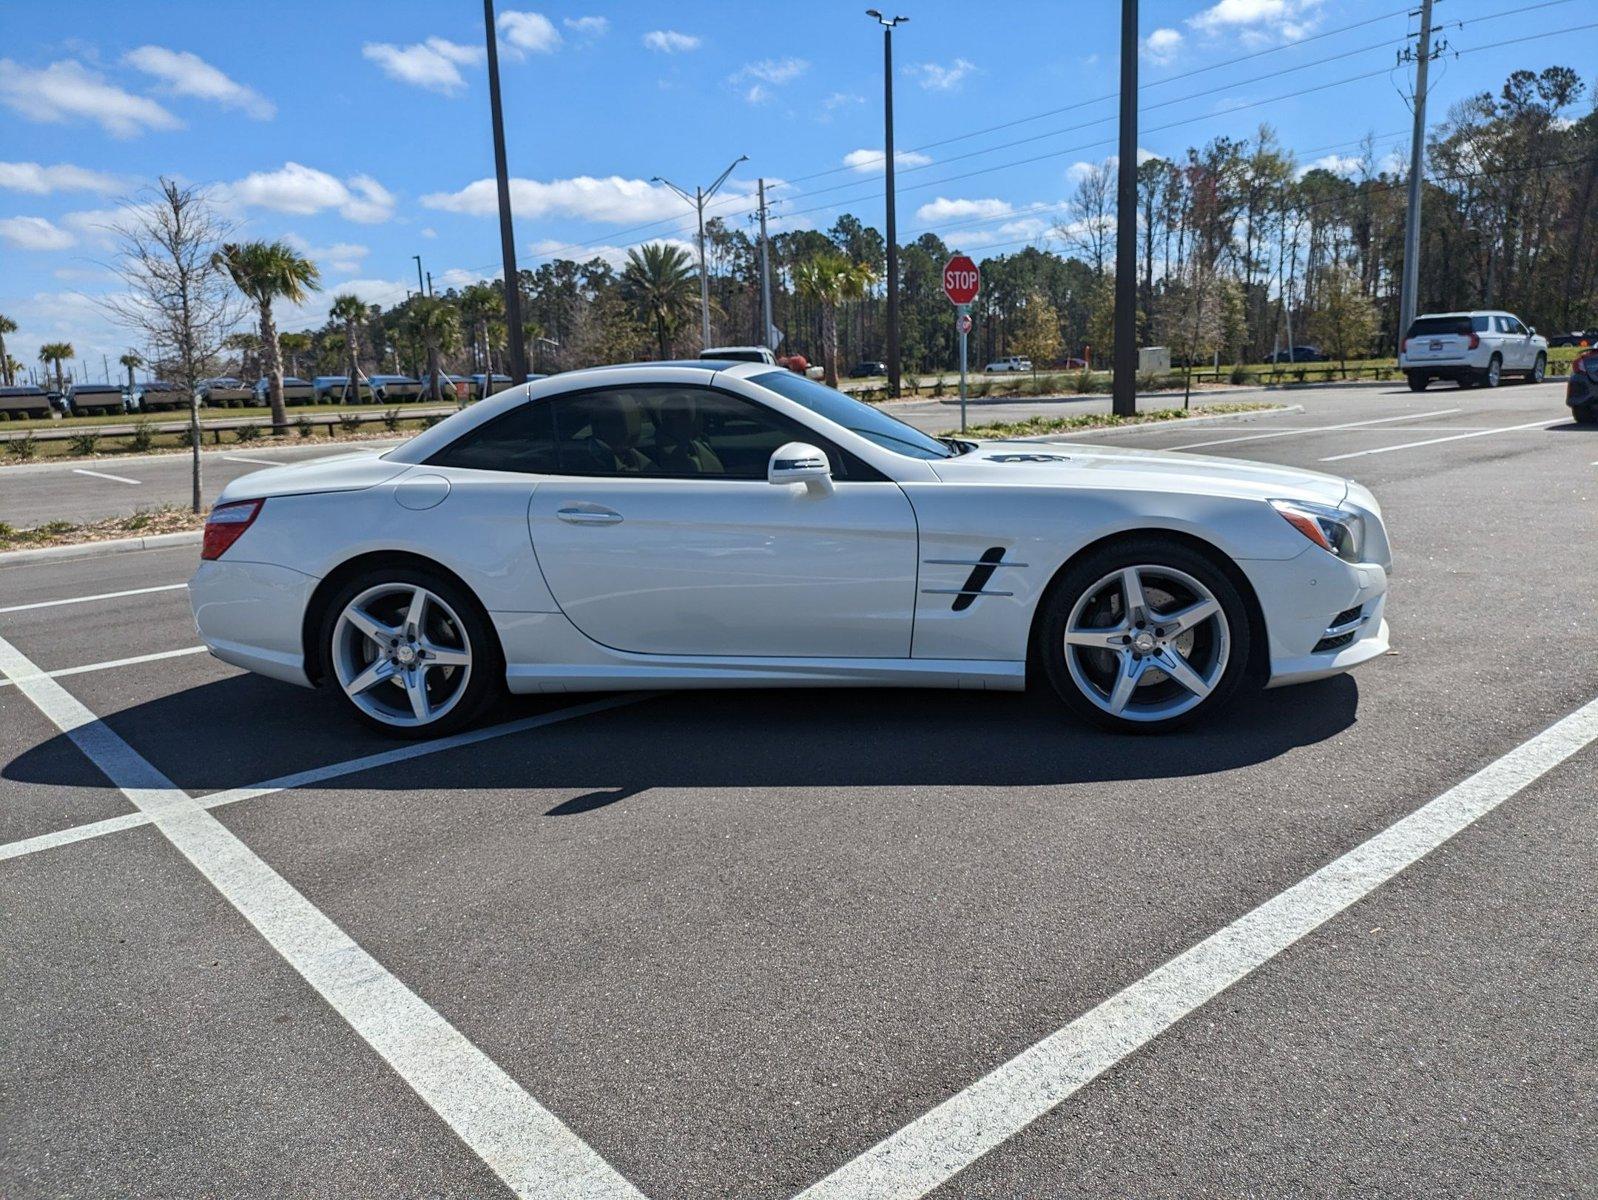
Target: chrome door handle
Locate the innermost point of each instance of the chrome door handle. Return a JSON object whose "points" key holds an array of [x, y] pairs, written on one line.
{"points": [[589, 516]]}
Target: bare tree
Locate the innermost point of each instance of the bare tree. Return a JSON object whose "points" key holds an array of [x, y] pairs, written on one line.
{"points": [[175, 297]]}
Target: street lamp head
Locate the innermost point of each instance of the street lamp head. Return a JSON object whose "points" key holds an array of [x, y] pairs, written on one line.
{"points": [[882, 20]]}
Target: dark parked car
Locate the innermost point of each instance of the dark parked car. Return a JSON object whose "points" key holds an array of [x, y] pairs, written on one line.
{"points": [[1581, 388], [156, 396], [1576, 337], [395, 387], [224, 392], [23, 403], [1298, 354], [95, 399], [867, 370], [336, 389]]}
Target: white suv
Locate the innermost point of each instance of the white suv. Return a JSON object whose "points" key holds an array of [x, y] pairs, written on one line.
{"points": [[1016, 362], [1473, 348]]}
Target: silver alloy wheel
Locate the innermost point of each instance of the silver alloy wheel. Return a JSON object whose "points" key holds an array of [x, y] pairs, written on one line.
{"points": [[1495, 369], [401, 654], [1539, 369], [1147, 643]]}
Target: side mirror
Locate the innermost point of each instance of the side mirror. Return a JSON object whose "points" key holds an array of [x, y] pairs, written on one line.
{"points": [[1531, 331], [800, 462]]}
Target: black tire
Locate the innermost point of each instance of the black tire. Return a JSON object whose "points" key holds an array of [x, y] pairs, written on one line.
{"points": [[1418, 381], [1586, 414], [1540, 371], [1086, 579], [486, 679], [1493, 375]]}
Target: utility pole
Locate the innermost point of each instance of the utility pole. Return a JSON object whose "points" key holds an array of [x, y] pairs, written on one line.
{"points": [[1421, 56], [429, 283], [892, 232], [420, 289], [1124, 399], [765, 274], [698, 201], [507, 234]]}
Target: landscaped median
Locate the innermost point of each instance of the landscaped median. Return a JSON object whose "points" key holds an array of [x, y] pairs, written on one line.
{"points": [[152, 522], [1037, 426]]}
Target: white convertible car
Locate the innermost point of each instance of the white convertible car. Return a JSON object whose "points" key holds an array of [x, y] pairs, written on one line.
{"points": [[737, 525]]}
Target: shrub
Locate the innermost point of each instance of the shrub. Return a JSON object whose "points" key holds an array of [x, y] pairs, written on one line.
{"points": [[1147, 381], [142, 437], [431, 419], [912, 384], [1082, 382], [84, 443], [349, 422], [247, 433], [1301, 374], [391, 419], [939, 388], [982, 386], [1239, 375], [303, 426], [23, 448], [186, 437]]}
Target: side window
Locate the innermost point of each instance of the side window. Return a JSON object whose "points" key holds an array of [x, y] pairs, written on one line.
{"points": [[1515, 326], [674, 432], [1481, 324], [521, 440]]}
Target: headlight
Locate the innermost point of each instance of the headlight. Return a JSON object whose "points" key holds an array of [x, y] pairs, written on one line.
{"points": [[1332, 529]]}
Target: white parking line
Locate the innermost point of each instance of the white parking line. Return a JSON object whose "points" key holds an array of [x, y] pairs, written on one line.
{"points": [[94, 829], [87, 668], [1280, 433], [103, 475], [927, 1152], [260, 462], [525, 1144], [1457, 437], [165, 587]]}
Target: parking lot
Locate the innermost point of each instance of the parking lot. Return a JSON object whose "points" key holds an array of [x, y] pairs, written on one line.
{"points": [[838, 944]]}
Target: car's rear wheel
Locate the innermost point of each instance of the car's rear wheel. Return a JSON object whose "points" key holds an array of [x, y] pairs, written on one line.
{"points": [[411, 652], [1586, 414], [1540, 370], [1494, 374], [1145, 637], [1418, 381]]}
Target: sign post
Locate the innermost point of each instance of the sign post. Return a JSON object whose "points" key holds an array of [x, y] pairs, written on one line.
{"points": [[961, 282]]}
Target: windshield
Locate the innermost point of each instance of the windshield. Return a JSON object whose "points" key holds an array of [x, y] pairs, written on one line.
{"points": [[855, 416]]}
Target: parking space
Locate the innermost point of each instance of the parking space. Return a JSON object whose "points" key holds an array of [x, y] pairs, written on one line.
{"points": [[732, 941]]}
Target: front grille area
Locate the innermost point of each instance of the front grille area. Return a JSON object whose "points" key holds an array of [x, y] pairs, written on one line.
{"points": [[1336, 641]]}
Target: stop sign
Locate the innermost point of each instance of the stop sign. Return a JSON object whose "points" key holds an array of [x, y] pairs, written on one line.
{"points": [[961, 280]]}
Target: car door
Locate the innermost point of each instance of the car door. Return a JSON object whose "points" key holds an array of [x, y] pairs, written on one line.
{"points": [[660, 534], [1520, 338]]}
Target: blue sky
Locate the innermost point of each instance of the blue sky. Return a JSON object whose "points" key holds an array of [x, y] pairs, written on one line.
{"points": [[360, 130]]}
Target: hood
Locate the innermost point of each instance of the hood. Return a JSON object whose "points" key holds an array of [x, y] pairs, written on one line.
{"points": [[1079, 465], [339, 473]]}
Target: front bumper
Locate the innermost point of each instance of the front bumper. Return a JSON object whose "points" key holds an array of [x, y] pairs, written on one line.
{"points": [[1323, 616], [252, 614]]}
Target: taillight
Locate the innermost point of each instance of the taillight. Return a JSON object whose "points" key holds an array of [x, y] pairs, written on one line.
{"points": [[1403, 346], [226, 525], [1475, 340]]}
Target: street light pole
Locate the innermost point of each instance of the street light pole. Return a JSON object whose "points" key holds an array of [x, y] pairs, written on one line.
{"points": [[1408, 298], [1124, 378], [421, 289], [507, 234], [700, 195], [892, 231]]}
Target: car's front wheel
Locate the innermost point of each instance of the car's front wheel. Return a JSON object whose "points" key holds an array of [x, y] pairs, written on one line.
{"points": [[1540, 370], [411, 652], [1145, 636]]}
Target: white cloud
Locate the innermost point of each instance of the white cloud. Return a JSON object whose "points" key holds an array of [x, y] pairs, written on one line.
{"points": [[36, 180], [772, 70], [872, 162], [66, 91], [757, 93], [529, 31], [669, 41], [616, 256], [301, 191], [34, 233], [1026, 229], [936, 77], [1337, 164], [942, 210], [1161, 46], [187, 74], [434, 64], [429, 232], [1259, 21], [97, 225], [587, 28], [612, 199], [1079, 169], [838, 100], [340, 256]]}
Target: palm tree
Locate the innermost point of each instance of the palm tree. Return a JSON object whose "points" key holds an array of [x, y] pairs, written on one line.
{"points": [[348, 308], [435, 323], [265, 271], [480, 304], [57, 353], [248, 347], [294, 345], [829, 279], [659, 283], [7, 325], [131, 362]]}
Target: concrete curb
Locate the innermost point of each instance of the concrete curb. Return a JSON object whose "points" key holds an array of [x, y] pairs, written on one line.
{"points": [[158, 541]]}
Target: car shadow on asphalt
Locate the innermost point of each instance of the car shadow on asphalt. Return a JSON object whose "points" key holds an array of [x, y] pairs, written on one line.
{"points": [[775, 738]]}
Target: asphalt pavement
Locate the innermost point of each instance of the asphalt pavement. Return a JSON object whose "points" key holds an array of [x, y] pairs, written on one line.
{"points": [[837, 944]]}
